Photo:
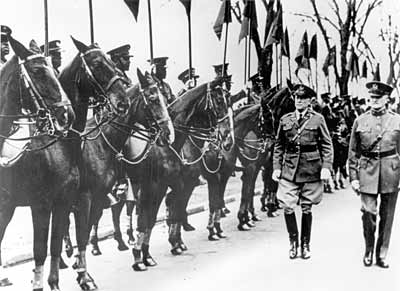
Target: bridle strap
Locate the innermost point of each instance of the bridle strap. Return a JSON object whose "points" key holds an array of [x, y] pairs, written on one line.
{"points": [[30, 86]]}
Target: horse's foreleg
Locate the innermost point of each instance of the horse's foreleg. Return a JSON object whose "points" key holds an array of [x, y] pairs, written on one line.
{"points": [[41, 221], [116, 213], [130, 206], [6, 213], [214, 205], [59, 217], [69, 250], [242, 215], [142, 226], [82, 225]]}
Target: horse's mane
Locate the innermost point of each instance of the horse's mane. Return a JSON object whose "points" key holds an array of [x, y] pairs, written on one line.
{"points": [[250, 111]]}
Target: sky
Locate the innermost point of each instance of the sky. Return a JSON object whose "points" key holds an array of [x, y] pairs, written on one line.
{"points": [[114, 25]]}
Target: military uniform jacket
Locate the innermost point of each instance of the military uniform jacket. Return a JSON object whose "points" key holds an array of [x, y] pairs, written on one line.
{"points": [[301, 160], [377, 169], [166, 91]]}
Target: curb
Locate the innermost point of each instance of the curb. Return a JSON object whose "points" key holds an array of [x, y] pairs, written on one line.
{"points": [[106, 234]]}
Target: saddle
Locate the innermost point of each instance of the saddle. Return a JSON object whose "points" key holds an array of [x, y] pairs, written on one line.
{"points": [[13, 150], [135, 146]]}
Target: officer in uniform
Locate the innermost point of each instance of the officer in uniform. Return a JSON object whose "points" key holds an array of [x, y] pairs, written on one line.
{"points": [[5, 47], [122, 59], [221, 71], [160, 71], [374, 166], [55, 54], [303, 156], [188, 80]]}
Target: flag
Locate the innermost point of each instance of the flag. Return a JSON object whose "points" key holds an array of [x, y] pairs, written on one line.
{"points": [[133, 6], [269, 20], [224, 16], [377, 73], [286, 45], [364, 70], [302, 58], [187, 4], [313, 48], [352, 64], [330, 60], [249, 18], [275, 34]]}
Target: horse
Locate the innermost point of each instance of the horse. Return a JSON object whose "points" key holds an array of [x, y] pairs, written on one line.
{"points": [[50, 164], [148, 120], [196, 110]]}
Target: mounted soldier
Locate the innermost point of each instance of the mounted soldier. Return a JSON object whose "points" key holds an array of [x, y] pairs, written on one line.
{"points": [[374, 166], [122, 59], [160, 72], [5, 47], [188, 82], [55, 55], [303, 157]]}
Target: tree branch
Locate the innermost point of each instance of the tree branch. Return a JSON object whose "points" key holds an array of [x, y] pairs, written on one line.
{"points": [[314, 19], [336, 10], [371, 7]]}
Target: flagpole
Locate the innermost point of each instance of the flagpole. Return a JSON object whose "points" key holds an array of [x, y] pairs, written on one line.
{"points": [[316, 76], [91, 22], [249, 50], [190, 45], [245, 60], [277, 66], [280, 66], [290, 70], [46, 29], [225, 46], [150, 32]]}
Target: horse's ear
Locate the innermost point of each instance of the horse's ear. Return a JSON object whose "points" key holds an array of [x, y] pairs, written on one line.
{"points": [[82, 48], [142, 79], [34, 47], [20, 50]]}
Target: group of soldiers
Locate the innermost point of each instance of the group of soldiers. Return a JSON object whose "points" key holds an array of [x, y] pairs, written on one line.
{"points": [[303, 156]]}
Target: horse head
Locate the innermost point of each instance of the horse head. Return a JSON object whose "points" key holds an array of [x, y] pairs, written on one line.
{"points": [[281, 103], [155, 107], [32, 87], [92, 74]]}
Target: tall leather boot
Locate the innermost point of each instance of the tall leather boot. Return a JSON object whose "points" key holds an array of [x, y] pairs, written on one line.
{"points": [[291, 226], [306, 222], [369, 226]]}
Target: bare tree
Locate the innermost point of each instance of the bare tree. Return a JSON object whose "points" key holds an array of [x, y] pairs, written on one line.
{"points": [[390, 36], [349, 22]]}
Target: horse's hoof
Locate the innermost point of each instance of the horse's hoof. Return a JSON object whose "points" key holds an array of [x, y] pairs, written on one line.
{"points": [[255, 218], [122, 247], [272, 214], [96, 251], [183, 246], [223, 214], [139, 267], [5, 282], [188, 227], [54, 287], [86, 282], [131, 241], [37, 289], [226, 210], [221, 235], [62, 264], [242, 227], [149, 262], [250, 224], [176, 251], [213, 237], [263, 209]]}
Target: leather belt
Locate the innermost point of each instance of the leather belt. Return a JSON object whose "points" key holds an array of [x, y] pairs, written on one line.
{"points": [[377, 155], [302, 148]]}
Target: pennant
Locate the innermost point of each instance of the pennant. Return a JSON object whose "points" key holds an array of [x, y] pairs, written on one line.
{"points": [[286, 45], [377, 73], [302, 58], [269, 20], [249, 18], [187, 4], [330, 60], [364, 70], [313, 48], [133, 6], [224, 16], [276, 31]]}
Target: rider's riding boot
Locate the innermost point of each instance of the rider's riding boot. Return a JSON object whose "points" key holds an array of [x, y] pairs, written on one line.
{"points": [[121, 244], [291, 226], [306, 222]]}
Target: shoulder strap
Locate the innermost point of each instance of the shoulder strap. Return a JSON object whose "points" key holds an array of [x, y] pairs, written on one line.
{"points": [[300, 130], [379, 137]]}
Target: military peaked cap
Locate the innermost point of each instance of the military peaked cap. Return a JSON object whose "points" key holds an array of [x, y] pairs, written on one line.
{"points": [[184, 76], [303, 91], [54, 46], [159, 62], [378, 88], [5, 32], [218, 69], [325, 96], [120, 51]]}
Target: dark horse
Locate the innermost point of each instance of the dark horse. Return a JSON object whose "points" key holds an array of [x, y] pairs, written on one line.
{"points": [[102, 154], [196, 110], [46, 177]]}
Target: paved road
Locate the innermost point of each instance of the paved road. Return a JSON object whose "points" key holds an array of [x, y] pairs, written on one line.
{"points": [[253, 260]]}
